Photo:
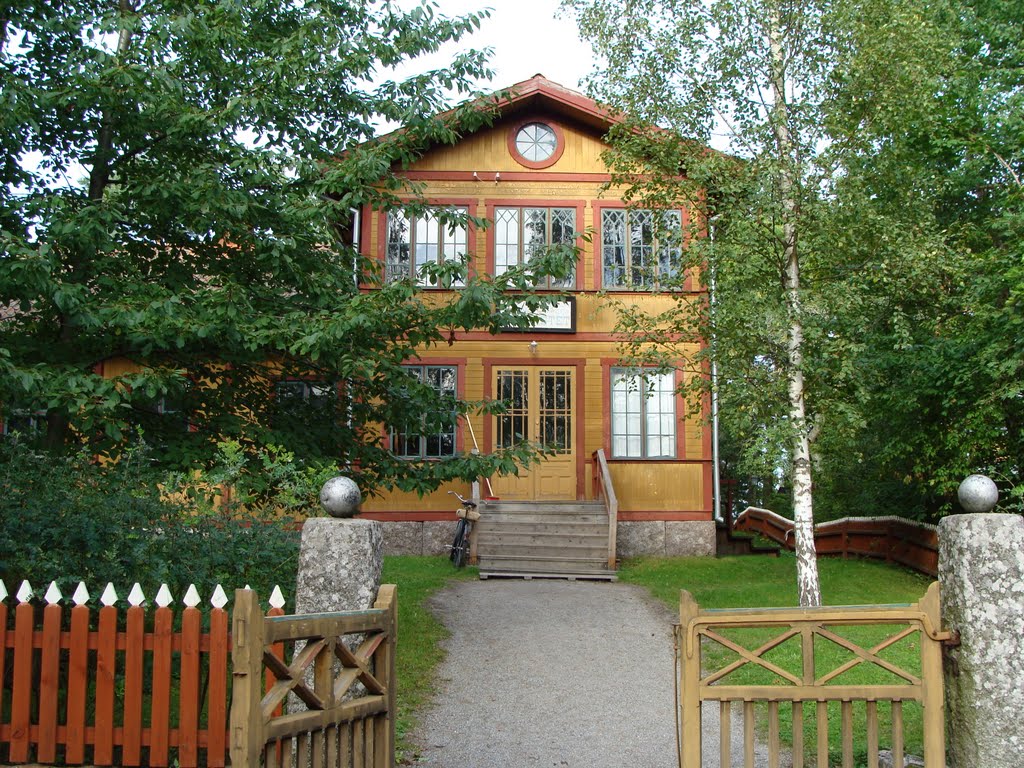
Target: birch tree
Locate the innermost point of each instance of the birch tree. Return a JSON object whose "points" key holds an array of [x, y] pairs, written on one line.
{"points": [[755, 70]]}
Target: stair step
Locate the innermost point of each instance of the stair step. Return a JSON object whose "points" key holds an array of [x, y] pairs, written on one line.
{"points": [[552, 526], [563, 507], [542, 551], [594, 575], [532, 562], [502, 537], [542, 517]]}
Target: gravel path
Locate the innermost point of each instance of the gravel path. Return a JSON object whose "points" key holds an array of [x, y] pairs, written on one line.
{"points": [[551, 673], [555, 673]]}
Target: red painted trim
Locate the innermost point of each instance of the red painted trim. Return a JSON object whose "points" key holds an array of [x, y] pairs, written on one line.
{"points": [[599, 207], [365, 229], [578, 205], [655, 515], [596, 178], [536, 164], [469, 203]]}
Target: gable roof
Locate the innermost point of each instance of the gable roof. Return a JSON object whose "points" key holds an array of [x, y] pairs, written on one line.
{"points": [[540, 93]]}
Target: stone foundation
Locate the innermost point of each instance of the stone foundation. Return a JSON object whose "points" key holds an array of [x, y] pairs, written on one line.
{"points": [[666, 538], [672, 538], [418, 538]]}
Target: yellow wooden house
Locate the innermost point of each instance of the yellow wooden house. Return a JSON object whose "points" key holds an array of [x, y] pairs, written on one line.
{"points": [[536, 174]]}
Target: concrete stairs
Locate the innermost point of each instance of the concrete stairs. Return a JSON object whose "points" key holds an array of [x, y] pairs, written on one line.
{"points": [[543, 540]]}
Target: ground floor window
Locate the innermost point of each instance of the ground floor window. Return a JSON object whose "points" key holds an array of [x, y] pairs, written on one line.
{"points": [[415, 441], [24, 422], [303, 401], [643, 413]]}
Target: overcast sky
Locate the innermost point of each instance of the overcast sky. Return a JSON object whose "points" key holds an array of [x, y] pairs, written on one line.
{"points": [[528, 37]]}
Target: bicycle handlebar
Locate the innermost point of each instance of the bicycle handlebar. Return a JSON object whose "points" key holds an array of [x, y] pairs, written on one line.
{"points": [[468, 503]]}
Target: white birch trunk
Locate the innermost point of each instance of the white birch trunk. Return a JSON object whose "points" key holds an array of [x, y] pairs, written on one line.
{"points": [[808, 586]]}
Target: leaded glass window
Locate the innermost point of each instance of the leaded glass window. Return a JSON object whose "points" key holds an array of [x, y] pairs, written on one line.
{"points": [[522, 233], [643, 414], [637, 254], [414, 241]]}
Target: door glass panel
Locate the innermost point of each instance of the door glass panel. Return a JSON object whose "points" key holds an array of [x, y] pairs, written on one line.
{"points": [[513, 425], [556, 410]]}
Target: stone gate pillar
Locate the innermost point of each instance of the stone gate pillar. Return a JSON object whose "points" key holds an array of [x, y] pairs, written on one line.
{"points": [[981, 568]]}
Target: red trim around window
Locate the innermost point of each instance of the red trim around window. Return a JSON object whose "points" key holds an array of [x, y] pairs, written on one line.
{"points": [[599, 208], [607, 363], [537, 164], [578, 205], [380, 252]]}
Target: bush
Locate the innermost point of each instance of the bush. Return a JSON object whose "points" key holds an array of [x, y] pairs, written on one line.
{"points": [[70, 519]]}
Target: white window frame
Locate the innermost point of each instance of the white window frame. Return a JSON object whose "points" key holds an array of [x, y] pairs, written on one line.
{"points": [[401, 440], [511, 248], [642, 260], [426, 239], [642, 406]]}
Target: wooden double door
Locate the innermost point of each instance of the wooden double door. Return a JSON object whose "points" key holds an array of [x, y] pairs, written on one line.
{"points": [[540, 402]]}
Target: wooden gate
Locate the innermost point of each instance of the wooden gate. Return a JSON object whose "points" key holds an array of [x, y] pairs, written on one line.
{"points": [[344, 725], [790, 672]]}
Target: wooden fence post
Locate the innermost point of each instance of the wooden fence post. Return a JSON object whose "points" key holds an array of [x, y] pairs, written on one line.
{"points": [[689, 681], [247, 688], [384, 666], [932, 682]]}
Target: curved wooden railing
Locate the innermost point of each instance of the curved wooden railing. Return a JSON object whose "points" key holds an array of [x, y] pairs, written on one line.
{"points": [[893, 539], [605, 491]]}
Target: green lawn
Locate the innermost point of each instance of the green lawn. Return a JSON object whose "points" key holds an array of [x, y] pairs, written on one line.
{"points": [[753, 582], [419, 634]]}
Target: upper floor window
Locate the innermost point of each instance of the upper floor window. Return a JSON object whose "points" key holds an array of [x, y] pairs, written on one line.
{"points": [[522, 233], [536, 142], [636, 253], [414, 241], [643, 414], [416, 441]]}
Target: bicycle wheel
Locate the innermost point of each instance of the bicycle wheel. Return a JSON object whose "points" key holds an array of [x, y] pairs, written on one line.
{"points": [[460, 545]]}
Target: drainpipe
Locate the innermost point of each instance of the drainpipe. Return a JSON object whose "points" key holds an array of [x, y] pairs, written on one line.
{"points": [[716, 475]]}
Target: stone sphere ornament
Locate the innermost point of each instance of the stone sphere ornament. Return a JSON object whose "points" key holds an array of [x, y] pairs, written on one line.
{"points": [[977, 493], [341, 497]]}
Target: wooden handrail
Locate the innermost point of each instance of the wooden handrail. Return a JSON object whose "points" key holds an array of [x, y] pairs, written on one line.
{"points": [[604, 490], [893, 539]]}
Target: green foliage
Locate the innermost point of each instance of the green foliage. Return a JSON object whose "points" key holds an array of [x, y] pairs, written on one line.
{"points": [[909, 207], [68, 519], [177, 187]]}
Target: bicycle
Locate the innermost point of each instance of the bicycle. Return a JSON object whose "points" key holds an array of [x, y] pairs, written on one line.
{"points": [[460, 544]]}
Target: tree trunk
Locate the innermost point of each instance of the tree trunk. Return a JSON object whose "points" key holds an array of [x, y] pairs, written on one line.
{"points": [[58, 423], [808, 586]]}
